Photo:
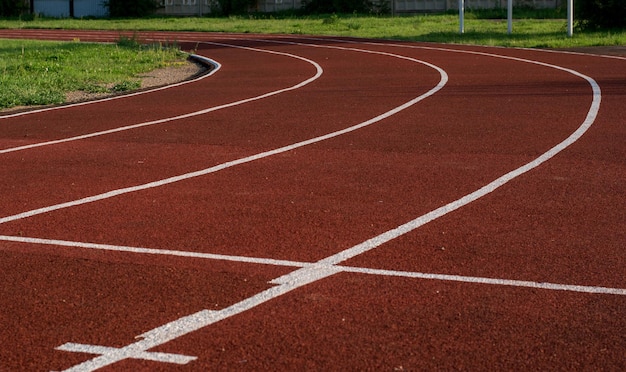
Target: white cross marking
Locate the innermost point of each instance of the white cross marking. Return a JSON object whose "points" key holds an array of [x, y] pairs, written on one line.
{"points": [[127, 352]]}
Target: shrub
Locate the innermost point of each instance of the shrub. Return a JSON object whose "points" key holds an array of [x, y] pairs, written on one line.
{"points": [[231, 7], [596, 14], [131, 8], [339, 6], [12, 8]]}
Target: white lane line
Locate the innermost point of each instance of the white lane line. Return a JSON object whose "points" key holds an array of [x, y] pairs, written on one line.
{"points": [[321, 269], [285, 284], [443, 80], [145, 355], [497, 183], [190, 323], [491, 281], [153, 251], [318, 73], [485, 54], [301, 264], [195, 321], [206, 60], [576, 53]]}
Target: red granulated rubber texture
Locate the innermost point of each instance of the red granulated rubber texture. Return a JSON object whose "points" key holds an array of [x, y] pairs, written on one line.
{"points": [[563, 222]]}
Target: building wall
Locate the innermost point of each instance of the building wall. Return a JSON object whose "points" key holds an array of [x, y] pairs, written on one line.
{"points": [[199, 7], [277, 5], [90, 8], [185, 7], [443, 5], [420, 5], [86, 8], [52, 8], [61, 8], [487, 4]]}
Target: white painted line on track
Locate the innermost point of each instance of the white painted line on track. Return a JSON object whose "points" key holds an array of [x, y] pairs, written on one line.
{"points": [[485, 54], [300, 264], [318, 73], [490, 281], [152, 251], [145, 355], [577, 53], [443, 80], [191, 323], [329, 266], [196, 321]]}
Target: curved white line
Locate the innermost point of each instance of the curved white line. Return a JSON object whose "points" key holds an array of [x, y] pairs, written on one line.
{"points": [[492, 186], [318, 73], [327, 267], [247, 159], [576, 53]]}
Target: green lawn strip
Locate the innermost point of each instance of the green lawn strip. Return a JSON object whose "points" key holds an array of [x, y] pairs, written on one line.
{"points": [[530, 29], [35, 73], [41, 72]]}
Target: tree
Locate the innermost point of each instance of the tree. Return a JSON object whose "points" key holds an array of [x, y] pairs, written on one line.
{"points": [[229, 7], [12, 8], [601, 14]]}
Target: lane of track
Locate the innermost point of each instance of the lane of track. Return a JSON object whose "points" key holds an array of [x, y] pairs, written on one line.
{"points": [[380, 159]]}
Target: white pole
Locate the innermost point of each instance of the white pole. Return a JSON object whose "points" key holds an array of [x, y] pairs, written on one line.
{"points": [[570, 18], [509, 16], [461, 16]]}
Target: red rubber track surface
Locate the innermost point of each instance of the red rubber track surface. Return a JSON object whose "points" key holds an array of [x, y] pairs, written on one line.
{"points": [[528, 276]]}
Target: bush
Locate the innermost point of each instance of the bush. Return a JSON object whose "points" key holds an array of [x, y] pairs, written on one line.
{"points": [[231, 7], [601, 14], [12, 8], [339, 6], [131, 8]]}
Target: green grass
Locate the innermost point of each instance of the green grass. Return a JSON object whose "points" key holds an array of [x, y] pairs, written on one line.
{"points": [[531, 29], [41, 72]]}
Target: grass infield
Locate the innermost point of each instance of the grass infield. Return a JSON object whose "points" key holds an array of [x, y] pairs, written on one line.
{"points": [[42, 72]]}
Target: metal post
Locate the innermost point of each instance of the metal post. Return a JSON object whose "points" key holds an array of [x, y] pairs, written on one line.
{"points": [[461, 16], [570, 18], [509, 16]]}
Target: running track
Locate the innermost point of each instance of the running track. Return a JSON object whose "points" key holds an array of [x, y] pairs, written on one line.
{"points": [[322, 204]]}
